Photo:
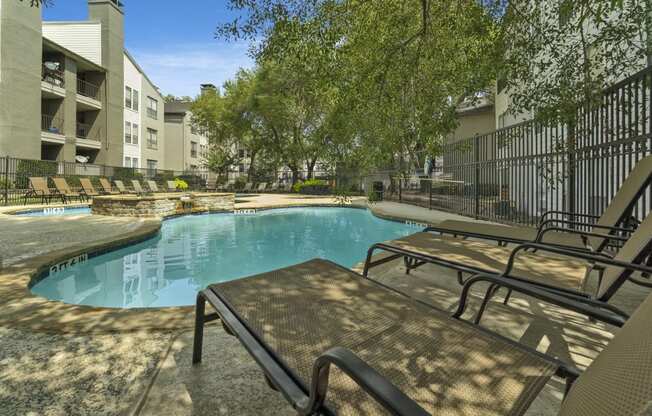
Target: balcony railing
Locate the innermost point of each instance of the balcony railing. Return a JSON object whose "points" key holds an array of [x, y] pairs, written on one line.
{"points": [[84, 131], [51, 124], [88, 89], [53, 76]]}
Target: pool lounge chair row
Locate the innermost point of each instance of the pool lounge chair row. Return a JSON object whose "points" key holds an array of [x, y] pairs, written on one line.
{"points": [[251, 187], [38, 188], [336, 342]]}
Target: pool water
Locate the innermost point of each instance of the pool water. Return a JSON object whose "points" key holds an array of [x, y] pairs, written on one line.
{"points": [[56, 211], [192, 252]]}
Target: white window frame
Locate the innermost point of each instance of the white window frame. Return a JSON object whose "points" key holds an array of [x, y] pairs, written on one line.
{"points": [[128, 132], [135, 133]]}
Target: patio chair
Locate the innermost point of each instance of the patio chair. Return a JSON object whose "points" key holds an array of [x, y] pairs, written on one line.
{"points": [[248, 187], [135, 183], [107, 189], [153, 186], [211, 185], [172, 186], [273, 187], [121, 187], [38, 187], [262, 187], [88, 188], [558, 231], [64, 189], [335, 343], [551, 268]]}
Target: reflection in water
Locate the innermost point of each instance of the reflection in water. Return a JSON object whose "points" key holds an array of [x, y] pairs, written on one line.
{"points": [[192, 252]]}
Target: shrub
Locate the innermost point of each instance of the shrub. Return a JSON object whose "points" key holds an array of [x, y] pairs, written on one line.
{"points": [[180, 184], [5, 183], [312, 187], [31, 168], [239, 182], [193, 181]]}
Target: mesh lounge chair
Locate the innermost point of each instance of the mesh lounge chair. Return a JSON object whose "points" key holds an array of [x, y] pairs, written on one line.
{"points": [[262, 187], [64, 189], [121, 187], [211, 185], [107, 189], [248, 187], [172, 186], [273, 187], [153, 187], [335, 343], [87, 186], [550, 268], [38, 187], [612, 220], [135, 183]]}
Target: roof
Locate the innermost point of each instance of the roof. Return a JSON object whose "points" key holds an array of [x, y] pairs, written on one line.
{"points": [[177, 107]]}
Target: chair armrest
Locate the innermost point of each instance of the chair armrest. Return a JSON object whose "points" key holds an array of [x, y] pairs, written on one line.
{"points": [[384, 392], [574, 254], [601, 311], [557, 212], [541, 234], [568, 222]]}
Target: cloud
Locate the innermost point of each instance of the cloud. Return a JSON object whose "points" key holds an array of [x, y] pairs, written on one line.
{"points": [[179, 69]]}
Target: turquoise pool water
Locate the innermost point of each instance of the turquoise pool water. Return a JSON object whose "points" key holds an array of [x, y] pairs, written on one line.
{"points": [[56, 211], [193, 251]]}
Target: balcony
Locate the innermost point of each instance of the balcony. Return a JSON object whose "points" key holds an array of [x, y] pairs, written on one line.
{"points": [[53, 81], [89, 96], [52, 129], [88, 137]]}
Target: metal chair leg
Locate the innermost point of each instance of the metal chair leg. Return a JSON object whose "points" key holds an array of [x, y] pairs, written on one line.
{"points": [[198, 341], [491, 290], [509, 294]]}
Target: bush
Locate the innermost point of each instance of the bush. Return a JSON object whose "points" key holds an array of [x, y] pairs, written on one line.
{"points": [[193, 181], [180, 184], [312, 187], [5, 184], [239, 182], [126, 174], [32, 168]]}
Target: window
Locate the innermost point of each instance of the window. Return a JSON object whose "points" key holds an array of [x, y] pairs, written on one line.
{"points": [[134, 133], [134, 162], [135, 100], [151, 164], [127, 162], [152, 139], [193, 149], [152, 108], [127, 132], [128, 97]]}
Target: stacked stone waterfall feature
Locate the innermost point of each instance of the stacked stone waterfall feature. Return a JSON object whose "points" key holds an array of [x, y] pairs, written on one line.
{"points": [[162, 205]]}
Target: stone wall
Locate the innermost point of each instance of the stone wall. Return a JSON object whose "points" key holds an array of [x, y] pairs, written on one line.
{"points": [[162, 205]]}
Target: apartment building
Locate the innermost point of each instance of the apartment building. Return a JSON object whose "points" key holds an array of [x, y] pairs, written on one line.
{"points": [[61, 84], [186, 146], [144, 125]]}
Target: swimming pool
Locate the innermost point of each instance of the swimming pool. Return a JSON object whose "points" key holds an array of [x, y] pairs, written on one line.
{"points": [[55, 211], [193, 251]]}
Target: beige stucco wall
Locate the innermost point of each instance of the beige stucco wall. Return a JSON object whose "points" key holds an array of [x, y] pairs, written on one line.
{"points": [[473, 122], [179, 138], [20, 79], [112, 20]]}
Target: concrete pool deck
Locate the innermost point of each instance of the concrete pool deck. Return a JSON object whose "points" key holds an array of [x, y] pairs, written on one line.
{"points": [[112, 362]]}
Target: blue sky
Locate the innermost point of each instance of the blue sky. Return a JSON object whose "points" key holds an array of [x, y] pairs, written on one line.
{"points": [[178, 50]]}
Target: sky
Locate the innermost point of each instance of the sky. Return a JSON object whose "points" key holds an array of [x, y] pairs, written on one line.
{"points": [[172, 40]]}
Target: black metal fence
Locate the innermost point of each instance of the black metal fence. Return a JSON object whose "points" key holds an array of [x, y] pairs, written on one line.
{"points": [[15, 174], [515, 174]]}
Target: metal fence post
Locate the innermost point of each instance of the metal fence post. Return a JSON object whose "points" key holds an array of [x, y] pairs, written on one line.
{"points": [[6, 182], [430, 194], [476, 176]]}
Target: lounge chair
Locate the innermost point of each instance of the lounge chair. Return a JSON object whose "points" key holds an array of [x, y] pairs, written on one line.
{"points": [[558, 231], [153, 187], [211, 185], [88, 188], [64, 189], [262, 187], [550, 268], [273, 187], [107, 189], [172, 186], [135, 183], [248, 187], [335, 343], [121, 187], [38, 187]]}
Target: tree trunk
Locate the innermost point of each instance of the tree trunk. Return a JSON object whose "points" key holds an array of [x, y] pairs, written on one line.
{"points": [[252, 169], [311, 167]]}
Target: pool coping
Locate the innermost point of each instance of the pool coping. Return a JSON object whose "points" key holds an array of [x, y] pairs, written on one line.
{"points": [[24, 310]]}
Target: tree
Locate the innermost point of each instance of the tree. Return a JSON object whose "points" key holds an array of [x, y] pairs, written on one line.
{"points": [[170, 98]]}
